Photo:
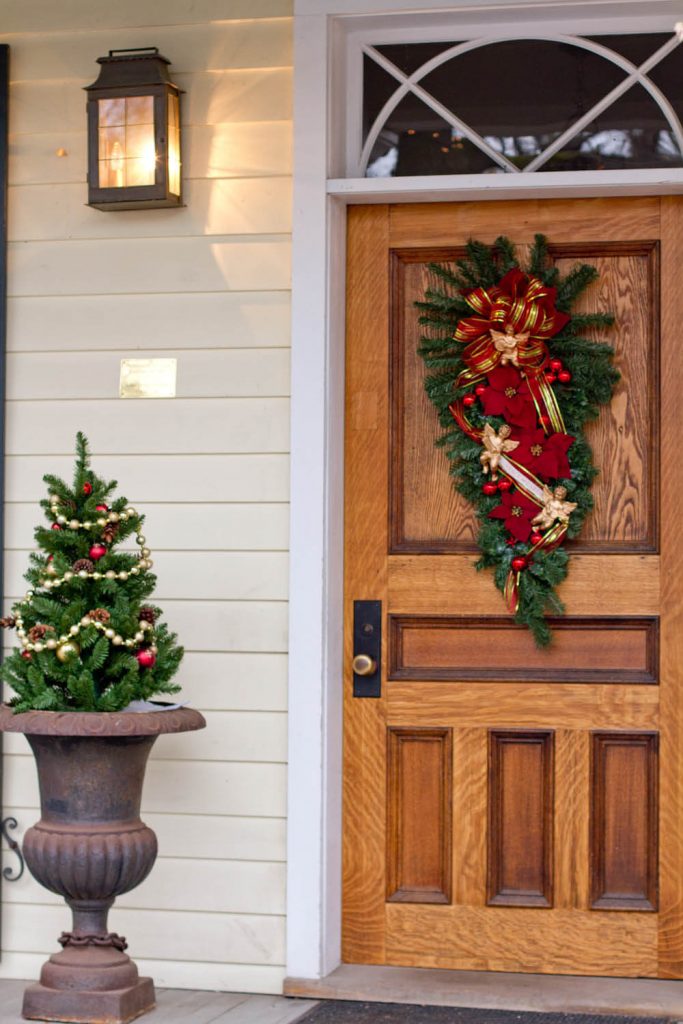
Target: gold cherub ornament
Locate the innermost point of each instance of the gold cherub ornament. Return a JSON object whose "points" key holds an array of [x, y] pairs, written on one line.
{"points": [[508, 344], [554, 507], [495, 445]]}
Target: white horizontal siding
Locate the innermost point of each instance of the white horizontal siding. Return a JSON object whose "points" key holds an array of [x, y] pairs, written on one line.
{"points": [[215, 206], [202, 837], [207, 284], [203, 527], [232, 373]]}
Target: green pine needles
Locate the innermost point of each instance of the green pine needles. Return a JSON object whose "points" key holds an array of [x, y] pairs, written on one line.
{"points": [[593, 378], [88, 640]]}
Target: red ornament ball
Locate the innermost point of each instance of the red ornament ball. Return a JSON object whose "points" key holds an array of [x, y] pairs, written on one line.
{"points": [[555, 364], [544, 421], [536, 537], [97, 551], [55, 526], [87, 488], [480, 389], [564, 376], [504, 485], [469, 400], [26, 655], [146, 658], [519, 563], [489, 487], [550, 377], [101, 508]]}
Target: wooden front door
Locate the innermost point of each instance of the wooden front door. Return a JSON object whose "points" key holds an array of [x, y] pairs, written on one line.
{"points": [[505, 808]]}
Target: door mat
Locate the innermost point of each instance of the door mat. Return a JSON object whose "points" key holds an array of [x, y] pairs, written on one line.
{"points": [[343, 1012]]}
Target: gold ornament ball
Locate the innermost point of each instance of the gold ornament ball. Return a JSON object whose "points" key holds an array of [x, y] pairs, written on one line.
{"points": [[67, 651]]}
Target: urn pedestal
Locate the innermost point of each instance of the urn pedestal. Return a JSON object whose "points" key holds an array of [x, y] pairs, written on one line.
{"points": [[90, 846]]}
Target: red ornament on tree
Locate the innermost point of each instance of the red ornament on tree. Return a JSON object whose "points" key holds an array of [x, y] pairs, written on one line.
{"points": [[479, 390], [97, 551], [504, 485], [519, 563], [55, 526], [146, 658], [26, 655], [536, 537], [550, 377], [469, 400], [564, 376], [555, 364], [490, 488], [87, 488], [101, 508]]}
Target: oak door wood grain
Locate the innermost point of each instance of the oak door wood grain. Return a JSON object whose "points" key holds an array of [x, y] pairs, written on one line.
{"points": [[519, 825]]}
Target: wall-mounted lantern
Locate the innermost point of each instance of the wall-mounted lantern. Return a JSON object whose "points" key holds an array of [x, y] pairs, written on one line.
{"points": [[133, 133]]}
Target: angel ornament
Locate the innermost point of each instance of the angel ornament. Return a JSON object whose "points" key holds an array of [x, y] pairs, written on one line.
{"points": [[507, 344], [554, 507], [495, 445]]}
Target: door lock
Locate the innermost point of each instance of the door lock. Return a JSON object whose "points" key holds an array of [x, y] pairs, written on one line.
{"points": [[367, 648]]}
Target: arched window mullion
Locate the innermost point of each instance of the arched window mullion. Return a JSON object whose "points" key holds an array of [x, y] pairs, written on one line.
{"points": [[409, 85], [638, 75]]}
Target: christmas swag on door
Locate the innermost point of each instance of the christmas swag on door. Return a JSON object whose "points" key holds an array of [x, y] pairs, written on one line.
{"points": [[513, 394]]}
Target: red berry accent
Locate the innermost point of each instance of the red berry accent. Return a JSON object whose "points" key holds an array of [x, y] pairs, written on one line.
{"points": [[87, 488], [550, 377], [97, 551], [536, 538], [519, 563], [469, 400], [480, 389], [504, 485], [544, 421], [50, 558], [489, 487], [55, 526], [26, 655], [555, 364], [101, 508], [564, 376], [146, 658]]}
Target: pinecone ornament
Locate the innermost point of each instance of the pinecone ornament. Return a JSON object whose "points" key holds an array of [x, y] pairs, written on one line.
{"points": [[83, 565], [8, 622], [38, 631], [147, 614], [100, 615], [109, 533]]}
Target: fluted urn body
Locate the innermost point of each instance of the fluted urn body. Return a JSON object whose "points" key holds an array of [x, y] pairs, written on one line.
{"points": [[90, 846]]}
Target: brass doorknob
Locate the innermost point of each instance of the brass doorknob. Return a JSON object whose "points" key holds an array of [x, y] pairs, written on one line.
{"points": [[364, 665]]}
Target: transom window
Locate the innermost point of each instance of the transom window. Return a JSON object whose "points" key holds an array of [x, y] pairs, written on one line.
{"points": [[516, 106]]}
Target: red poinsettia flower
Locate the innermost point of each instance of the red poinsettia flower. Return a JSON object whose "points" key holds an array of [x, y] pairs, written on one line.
{"points": [[517, 511], [544, 456], [508, 395]]}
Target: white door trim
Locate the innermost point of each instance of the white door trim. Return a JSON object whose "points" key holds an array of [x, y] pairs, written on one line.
{"points": [[317, 418]]}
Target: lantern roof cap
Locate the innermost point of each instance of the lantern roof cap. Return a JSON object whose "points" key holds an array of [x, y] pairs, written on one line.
{"points": [[138, 66]]}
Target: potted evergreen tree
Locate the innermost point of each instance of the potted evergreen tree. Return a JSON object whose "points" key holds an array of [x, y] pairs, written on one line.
{"points": [[91, 654]]}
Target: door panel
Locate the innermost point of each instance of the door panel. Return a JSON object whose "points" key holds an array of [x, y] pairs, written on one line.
{"points": [[508, 808]]}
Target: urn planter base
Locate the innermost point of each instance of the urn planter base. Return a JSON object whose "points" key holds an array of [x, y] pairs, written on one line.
{"points": [[91, 846]]}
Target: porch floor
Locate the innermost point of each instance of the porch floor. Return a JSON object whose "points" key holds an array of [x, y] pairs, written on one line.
{"points": [[181, 1005]]}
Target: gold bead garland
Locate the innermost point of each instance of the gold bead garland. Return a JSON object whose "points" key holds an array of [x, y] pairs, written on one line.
{"points": [[145, 562]]}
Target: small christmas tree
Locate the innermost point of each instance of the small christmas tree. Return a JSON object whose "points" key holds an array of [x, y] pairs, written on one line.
{"points": [[88, 640]]}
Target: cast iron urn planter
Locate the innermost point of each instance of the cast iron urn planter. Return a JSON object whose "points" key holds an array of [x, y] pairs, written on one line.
{"points": [[90, 846]]}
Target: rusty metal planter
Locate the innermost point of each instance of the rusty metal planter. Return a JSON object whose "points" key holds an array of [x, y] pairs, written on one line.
{"points": [[90, 846]]}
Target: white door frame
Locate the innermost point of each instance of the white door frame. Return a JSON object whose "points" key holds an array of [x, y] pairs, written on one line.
{"points": [[317, 420]]}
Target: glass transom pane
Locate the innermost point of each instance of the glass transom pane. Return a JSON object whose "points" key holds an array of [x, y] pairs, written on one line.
{"points": [[497, 106]]}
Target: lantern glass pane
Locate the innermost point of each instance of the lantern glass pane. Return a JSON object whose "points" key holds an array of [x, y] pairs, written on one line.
{"points": [[140, 110], [173, 145], [127, 156], [112, 112]]}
